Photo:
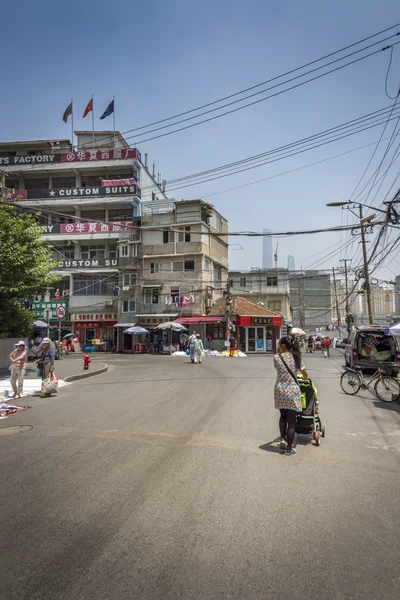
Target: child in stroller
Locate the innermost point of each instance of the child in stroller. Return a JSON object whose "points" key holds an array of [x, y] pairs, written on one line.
{"points": [[308, 422]]}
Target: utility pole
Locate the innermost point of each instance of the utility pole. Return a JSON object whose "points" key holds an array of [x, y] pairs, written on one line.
{"points": [[337, 300], [302, 312], [228, 302], [366, 271], [348, 316]]}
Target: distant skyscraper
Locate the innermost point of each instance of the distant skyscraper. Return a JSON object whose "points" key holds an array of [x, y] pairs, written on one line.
{"points": [[291, 265], [267, 251]]}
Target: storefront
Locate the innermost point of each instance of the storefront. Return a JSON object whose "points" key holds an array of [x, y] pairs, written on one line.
{"points": [[95, 326], [253, 328], [259, 334]]}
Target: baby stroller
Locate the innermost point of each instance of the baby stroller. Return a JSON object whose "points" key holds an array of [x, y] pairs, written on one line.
{"points": [[308, 422]]}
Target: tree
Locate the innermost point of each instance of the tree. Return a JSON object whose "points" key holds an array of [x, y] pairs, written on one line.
{"points": [[25, 267]]}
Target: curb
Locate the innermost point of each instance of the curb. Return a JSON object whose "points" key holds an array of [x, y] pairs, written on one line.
{"points": [[85, 375]]}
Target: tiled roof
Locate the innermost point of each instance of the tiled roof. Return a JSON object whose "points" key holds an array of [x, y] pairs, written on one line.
{"points": [[242, 307]]}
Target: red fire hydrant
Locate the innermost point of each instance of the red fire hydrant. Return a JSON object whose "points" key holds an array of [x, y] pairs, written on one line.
{"points": [[86, 361]]}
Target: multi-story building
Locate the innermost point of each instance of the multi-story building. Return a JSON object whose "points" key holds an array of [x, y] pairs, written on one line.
{"points": [[181, 264], [383, 303], [269, 287], [397, 295], [90, 203], [311, 298]]}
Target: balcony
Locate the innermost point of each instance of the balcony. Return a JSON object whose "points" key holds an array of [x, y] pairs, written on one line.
{"points": [[158, 213]]}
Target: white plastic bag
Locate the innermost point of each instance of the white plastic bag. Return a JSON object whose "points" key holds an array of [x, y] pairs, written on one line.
{"points": [[50, 385]]}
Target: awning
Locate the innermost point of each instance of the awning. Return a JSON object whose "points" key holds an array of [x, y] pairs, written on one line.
{"points": [[199, 320], [126, 325]]}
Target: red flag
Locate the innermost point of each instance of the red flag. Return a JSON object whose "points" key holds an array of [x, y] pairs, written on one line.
{"points": [[88, 108]]}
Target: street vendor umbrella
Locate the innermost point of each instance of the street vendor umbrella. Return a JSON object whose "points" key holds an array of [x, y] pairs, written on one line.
{"points": [[41, 324], [135, 329], [297, 331], [68, 335], [393, 330], [318, 334], [171, 325]]}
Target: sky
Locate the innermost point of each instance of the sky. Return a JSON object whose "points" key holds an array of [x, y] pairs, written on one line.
{"points": [[161, 58]]}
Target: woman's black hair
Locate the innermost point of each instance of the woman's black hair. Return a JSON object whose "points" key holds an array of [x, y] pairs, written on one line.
{"points": [[292, 346]]}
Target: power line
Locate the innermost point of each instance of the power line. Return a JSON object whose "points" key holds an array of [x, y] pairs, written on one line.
{"points": [[266, 82]]}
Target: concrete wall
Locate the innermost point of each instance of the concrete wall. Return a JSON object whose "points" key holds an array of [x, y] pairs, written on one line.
{"points": [[6, 347]]}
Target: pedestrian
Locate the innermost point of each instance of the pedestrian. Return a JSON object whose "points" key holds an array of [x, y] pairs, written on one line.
{"points": [[159, 344], [45, 358], [232, 345], [19, 359], [191, 345], [327, 347], [198, 348], [287, 393]]}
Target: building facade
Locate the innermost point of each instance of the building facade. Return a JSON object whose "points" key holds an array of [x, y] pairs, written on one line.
{"points": [[89, 198], [181, 264], [311, 299], [268, 287]]}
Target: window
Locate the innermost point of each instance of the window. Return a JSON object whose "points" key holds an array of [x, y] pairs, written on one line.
{"points": [[135, 249], [272, 280], [151, 296], [206, 265], [175, 295], [183, 265], [153, 196], [93, 215], [124, 250], [242, 282], [64, 255], [154, 267], [218, 223], [184, 234], [218, 273], [91, 286], [129, 279], [112, 252], [117, 214], [129, 306], [93, 251], [168, 236], [274, 305]]}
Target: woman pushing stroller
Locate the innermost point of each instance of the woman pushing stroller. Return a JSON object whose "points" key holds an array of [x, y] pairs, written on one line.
{"points": [[287, 392]]}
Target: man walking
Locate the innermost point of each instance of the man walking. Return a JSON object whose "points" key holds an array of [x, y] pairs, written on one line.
{"points": [[198, 348], [327, 347], [191, 345]]}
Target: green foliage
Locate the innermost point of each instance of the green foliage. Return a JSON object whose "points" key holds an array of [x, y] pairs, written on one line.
{"points": [[25, 266], [15, 321]]}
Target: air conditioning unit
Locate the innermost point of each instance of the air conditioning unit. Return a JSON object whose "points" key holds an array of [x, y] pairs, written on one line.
{"points": [[68, 243], [108, 303], [125, 288]]}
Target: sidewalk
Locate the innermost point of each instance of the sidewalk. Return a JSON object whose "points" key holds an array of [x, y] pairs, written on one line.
{"points": [[67, 370]]}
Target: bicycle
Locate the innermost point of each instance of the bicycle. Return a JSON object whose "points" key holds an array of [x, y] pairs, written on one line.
{"points": [[60, 352], [386, 387]]}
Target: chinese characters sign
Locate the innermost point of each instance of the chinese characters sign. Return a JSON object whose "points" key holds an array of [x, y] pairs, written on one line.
{"points": [[89, 155], [261, 320], [94, 317], [38, 307], [97, 227]]}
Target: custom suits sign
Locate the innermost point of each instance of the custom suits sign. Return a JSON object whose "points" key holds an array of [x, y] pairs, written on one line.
{"points": [[84, 192]]}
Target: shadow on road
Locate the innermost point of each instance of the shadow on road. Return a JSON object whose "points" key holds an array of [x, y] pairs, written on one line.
{"points": [[271, 447]]}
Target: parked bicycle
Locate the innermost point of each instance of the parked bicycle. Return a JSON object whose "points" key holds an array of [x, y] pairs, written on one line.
{"points": [[60, 351], [386, 387]]}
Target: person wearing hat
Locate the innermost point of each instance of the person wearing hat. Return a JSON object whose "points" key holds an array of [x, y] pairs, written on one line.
{"points": [[19, 359], [46, 357]]}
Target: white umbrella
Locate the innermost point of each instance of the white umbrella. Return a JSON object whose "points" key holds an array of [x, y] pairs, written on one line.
{"points": [[136, 329], [297, 331], [393, 330], [171, 325]]}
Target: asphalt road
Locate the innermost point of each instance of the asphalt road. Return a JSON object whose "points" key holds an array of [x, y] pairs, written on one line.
{"points": [[160, 480]]}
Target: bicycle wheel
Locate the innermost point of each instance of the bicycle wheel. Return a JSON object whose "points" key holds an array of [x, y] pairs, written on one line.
{"points": [[387, 389], [350, 382]]}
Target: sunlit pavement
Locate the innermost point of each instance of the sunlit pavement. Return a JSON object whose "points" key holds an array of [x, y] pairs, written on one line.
{"points": [[161, 479]]}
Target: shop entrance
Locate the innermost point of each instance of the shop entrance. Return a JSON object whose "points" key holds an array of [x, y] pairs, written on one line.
{"points": [[259, 339], [90, 335]]}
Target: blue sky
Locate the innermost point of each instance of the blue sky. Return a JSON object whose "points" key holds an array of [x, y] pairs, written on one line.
{"points": [[160, 58]]}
